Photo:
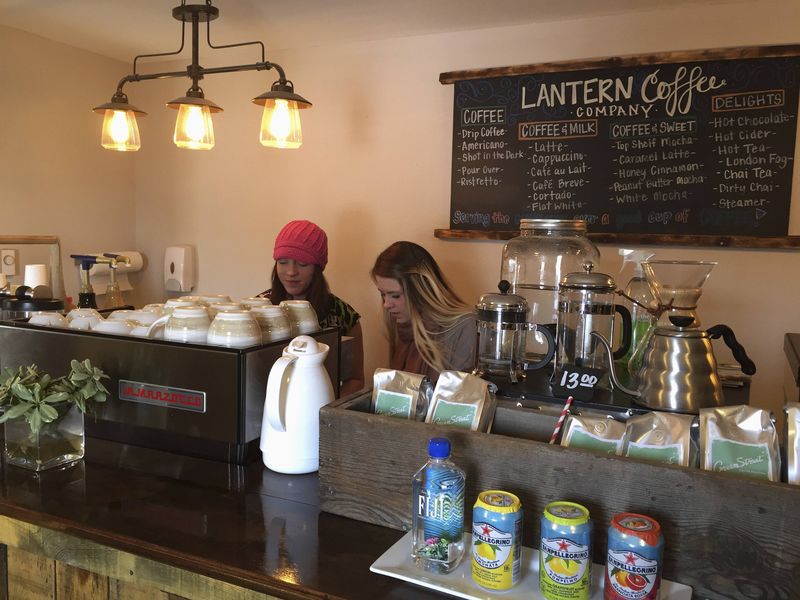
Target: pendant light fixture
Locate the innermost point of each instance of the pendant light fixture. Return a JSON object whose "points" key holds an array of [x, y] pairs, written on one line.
{"points": [[194, 129]]}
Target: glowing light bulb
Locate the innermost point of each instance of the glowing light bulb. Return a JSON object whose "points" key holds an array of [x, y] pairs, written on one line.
{"points": [[120, 131], [119, 127], [193, 128], [280, 124]]}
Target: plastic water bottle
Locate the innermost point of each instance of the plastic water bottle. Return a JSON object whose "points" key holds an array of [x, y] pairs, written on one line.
{"points": [[437, 510]]}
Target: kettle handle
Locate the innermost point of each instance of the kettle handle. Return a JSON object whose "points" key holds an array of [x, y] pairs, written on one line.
{"points": [[275, 406], [748, 366], [627, 328]]}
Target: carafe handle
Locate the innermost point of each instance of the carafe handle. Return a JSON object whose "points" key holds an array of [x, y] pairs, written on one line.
{"points": [[275, 405], [551, 348], [627, 328], [748, 366]]}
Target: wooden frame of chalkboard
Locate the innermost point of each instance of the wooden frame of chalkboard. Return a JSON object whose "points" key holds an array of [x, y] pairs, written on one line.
{"points": [[692, 148]]}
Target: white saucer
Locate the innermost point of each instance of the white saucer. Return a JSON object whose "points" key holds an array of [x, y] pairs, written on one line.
{"points": [[397, 562]]}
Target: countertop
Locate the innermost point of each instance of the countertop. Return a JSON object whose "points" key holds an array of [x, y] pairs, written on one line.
{"points": [[242, 524]]}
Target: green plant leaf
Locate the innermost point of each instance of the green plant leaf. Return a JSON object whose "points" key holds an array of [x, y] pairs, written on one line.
{"points": [[56, 397], [76, 376], [16, 411], [74, 365], [100, 397], [21, 391], [35, 421], [48, 413], [89, 390]]}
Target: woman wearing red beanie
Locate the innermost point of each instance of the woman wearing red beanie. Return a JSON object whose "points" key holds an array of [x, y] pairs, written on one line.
{"points": [[301, 253]]}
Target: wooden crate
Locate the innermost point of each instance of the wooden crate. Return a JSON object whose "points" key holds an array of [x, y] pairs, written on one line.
{"points": [[725, 536]]}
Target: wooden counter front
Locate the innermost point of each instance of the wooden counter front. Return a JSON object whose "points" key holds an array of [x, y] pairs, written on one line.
{"points": [[129, 523]]}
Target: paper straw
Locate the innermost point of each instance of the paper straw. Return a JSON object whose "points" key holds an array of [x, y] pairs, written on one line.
{"points": [[563, 416]]}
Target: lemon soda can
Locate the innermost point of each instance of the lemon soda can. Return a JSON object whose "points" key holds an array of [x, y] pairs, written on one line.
{"points": [[497, 540], [565, 554]]}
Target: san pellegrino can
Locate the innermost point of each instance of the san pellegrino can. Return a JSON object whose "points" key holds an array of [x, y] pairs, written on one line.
{"points": [[633, 562], [497, 540], [565, 553], [438, 510]]}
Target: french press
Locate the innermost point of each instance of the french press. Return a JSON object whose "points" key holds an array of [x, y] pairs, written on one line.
{"points": [[502, 331], [586, 304]]}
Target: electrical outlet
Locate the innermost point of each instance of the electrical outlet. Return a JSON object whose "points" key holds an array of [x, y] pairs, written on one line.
{"points": [[8, 261]]}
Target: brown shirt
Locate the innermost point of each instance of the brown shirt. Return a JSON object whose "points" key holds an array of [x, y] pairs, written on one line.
{"points": [[458, 343]]}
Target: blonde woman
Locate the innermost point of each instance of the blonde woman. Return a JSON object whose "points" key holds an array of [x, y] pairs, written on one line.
{"points": [[430, 328]]}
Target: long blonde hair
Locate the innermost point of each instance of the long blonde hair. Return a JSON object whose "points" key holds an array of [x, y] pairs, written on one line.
{"points": [[433, 306]]}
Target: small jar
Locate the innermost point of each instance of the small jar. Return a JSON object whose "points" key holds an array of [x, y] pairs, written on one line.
{"points": [[234, 329], [273, 322]]}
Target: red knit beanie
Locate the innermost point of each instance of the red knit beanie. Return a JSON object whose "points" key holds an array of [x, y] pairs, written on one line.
{"points": [[302, 241]]}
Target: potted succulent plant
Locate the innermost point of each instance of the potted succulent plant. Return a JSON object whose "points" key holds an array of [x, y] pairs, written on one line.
{"points": [[43, 416]]}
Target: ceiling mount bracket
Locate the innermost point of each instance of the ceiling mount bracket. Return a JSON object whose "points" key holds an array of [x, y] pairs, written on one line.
{"points": [[187, 12]]}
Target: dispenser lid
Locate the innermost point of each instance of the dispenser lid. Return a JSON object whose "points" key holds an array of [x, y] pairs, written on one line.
{"points": [[571, 225], [586, 280], [505, 306], [304, 345]]}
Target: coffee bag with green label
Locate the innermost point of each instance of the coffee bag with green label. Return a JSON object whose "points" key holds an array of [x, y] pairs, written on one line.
{"points": [[741, 440], [462, 400], [598, 434], [792, 442], [401, 394], [661, 437]]}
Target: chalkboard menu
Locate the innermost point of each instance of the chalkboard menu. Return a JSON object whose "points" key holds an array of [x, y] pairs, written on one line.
{"points": [[688, 147]]}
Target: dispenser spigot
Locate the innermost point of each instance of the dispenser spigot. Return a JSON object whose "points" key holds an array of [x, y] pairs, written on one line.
{"points": [[86, 297]]}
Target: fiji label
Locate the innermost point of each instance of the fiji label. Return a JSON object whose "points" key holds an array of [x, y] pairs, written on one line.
{"points": [[630, 576], [493, 556], [565, 570], [393, 404], [440, 508]]}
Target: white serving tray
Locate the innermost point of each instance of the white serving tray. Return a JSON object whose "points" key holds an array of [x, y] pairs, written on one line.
{"points": [[397, 562]]}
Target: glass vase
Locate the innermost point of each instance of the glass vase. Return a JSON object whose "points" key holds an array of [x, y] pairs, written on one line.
{"points": [[57, 443]]}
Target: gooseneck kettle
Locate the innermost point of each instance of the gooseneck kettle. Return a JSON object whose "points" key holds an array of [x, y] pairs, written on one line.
{"points": [[678, 371], [297, 387]]}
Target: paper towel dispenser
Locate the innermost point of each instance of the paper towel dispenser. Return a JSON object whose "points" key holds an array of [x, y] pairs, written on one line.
{"points": [[179, 269]]}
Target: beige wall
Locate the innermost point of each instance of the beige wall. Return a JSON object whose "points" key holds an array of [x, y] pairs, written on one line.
{"points": [[375, 166], [54, 177]]}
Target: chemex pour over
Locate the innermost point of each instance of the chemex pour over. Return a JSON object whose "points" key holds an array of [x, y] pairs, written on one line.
{"points": [[678, 371]]}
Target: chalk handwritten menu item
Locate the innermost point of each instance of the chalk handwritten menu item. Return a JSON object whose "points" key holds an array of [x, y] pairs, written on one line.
{"points": [[700, 146]]}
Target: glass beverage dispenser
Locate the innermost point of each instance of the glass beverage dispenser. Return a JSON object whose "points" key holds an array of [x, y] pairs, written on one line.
{"points": [[534, 263]]}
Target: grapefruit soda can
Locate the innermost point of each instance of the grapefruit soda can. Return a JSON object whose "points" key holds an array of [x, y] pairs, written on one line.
{"points": [[565, 553], [634, 560], [497, 540]]}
